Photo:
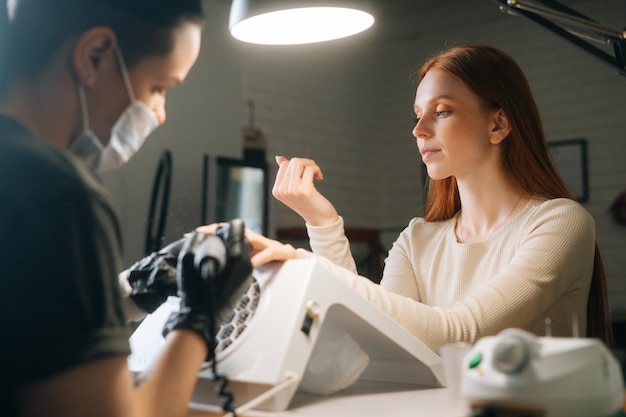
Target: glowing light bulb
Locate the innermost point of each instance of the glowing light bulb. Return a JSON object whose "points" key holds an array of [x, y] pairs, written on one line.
{"points": [[302, 25]]}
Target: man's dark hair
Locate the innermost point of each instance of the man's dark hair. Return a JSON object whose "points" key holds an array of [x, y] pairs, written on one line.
{"points": [[32, 32]]}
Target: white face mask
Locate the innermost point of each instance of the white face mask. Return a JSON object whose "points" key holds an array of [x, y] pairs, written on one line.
{"points": [[128, 134]]}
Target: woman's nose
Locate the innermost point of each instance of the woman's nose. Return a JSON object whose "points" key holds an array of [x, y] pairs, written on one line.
{"points": [[420, 129]]}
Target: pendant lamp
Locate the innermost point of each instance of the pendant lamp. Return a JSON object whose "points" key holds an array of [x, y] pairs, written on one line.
{"points": [[294, 22]]}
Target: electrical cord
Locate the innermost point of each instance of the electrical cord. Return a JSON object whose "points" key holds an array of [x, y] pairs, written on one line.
{"points": [[208, 272]]}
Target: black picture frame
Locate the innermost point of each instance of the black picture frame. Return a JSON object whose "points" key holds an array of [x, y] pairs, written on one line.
{"points": [[225, 185], [570, 157]]}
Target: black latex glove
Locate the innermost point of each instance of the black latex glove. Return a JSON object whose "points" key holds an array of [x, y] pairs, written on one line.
{"points": [[153, 278], [236, 278], [214, 271]]}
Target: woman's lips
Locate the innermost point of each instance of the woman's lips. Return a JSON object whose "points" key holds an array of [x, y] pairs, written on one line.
{"points": [[428, 153]]}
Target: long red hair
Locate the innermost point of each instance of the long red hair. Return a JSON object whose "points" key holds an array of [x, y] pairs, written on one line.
{"points": [[499, 81]]}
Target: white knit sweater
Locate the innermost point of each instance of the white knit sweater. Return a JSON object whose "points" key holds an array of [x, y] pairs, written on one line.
{"points": [[535, 267]]}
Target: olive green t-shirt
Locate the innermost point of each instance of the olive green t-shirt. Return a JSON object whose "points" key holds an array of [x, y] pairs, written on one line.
{"points": [[60, 252]]}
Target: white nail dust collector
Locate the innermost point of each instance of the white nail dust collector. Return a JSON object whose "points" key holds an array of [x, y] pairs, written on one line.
{"points": [[516, 373], [266, 345]]}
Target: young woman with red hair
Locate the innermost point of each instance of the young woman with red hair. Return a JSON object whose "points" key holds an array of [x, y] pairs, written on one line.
{"points": [[502, 243]]}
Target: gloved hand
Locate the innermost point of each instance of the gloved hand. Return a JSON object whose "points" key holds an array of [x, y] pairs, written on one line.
{"points": [[236, 278], [153, 278], [214, 271]]}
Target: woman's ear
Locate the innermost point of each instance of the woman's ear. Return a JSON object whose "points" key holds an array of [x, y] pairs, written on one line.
{"points": [[501, 127], [91, 49]]}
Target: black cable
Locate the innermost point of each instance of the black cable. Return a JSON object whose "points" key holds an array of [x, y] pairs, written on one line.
{"points": [[162, 185], [208, 271], [205, 189]]}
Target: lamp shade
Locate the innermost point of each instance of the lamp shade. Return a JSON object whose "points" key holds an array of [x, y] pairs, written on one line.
{"points": [[292, 22]]}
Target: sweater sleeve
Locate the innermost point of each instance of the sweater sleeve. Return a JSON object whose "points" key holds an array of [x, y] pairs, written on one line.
{"points": [[399, 274], [330, 242], [554, 257]]}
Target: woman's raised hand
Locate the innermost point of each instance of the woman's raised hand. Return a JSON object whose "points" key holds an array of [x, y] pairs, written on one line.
{"points": [[294, 187]]}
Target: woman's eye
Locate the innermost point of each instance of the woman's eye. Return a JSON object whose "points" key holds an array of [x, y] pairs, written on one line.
{"points": [[416, 120], [442, 113]]}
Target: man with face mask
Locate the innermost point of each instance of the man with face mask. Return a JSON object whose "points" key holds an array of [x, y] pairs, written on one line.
{"points": [[70, 103]]}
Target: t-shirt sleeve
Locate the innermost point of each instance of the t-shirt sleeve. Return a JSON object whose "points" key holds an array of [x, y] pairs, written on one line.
{"points": [[61, 302]]}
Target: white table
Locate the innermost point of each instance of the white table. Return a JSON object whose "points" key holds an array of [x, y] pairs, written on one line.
{"points": [[366, 398]]}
